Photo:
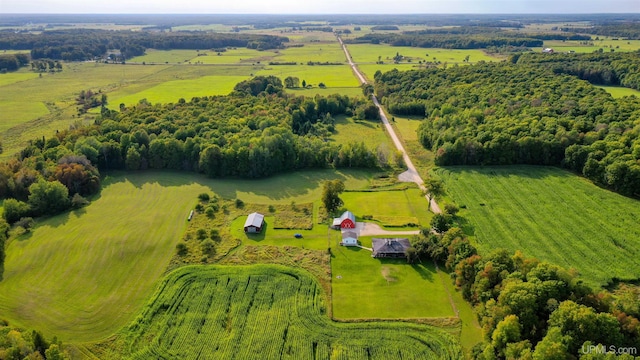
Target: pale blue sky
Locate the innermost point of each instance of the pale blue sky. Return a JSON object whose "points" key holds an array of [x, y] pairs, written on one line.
{"points": [[320, 6]]}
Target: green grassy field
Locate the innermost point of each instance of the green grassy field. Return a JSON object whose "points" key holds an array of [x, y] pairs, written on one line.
{"points": [[331, 52], [24, 103], [389, 208], [618, 91], [594, 45], [172, 91], [16, 77], [263, 312], [369, 53], [333, 76], [83, 275], [552, 215], [369, 132], [364, 287]]}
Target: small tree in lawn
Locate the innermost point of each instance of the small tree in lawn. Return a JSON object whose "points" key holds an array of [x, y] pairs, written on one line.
{"points": [[330, 195]]}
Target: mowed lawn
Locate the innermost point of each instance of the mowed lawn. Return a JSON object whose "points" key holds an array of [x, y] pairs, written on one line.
{"points": [[550, 214], [82, 276], [389, 208], [364, 287]]}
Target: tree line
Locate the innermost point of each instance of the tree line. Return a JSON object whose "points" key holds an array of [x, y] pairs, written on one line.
{"points": [[530, 309], [86, 44], [13, 62], [616, 29], [501, 113], [255, 132], [599, 68], [465, 37]]}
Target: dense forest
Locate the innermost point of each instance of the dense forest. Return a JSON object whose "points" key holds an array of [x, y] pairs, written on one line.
{"points": [[599, 68], [501, 113], [465, 37], [255, 132], [530, 309], [85, 44]]}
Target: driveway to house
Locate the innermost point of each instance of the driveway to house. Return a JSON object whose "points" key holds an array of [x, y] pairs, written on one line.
{"points": [[373, 229], [411, 175]]}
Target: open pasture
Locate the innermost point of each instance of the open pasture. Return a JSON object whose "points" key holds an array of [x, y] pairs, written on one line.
{"points": [[23, 103], [264, 312], [594, 45], [333, 76], [364, 287], [552, 215], [153, 56], [369, 53], [16, 77], [618, 91], [172, 91], [320, 52]]}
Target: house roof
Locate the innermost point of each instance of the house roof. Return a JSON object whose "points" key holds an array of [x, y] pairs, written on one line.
{"points": [[349, 234], [397, 246], [254, 219]]}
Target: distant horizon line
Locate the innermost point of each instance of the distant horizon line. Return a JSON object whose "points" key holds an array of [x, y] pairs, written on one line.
{"points": [[294, 14]]}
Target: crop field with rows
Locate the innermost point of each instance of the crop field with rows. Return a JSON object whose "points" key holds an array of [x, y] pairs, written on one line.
{"points": [[264, 312]]}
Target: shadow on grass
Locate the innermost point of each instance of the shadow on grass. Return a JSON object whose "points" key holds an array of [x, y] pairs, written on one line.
{"points": [[277, 187], [426, 272], [464, 224], [259, 236]]}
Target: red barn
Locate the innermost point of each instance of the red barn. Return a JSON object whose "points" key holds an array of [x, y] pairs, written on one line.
{"points": [[346, 221]]}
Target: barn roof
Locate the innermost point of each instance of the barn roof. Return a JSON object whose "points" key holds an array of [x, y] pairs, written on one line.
{"points": [[345, 215], [254, 219], [348, 215], [388, 246]]}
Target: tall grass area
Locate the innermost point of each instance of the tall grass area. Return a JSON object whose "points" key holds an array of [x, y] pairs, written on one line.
{"points": [[552, 215], [263, 312], [83, 275]]}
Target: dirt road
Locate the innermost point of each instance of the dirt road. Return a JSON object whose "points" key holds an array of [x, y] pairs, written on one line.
{"points": [[411, 175]]}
